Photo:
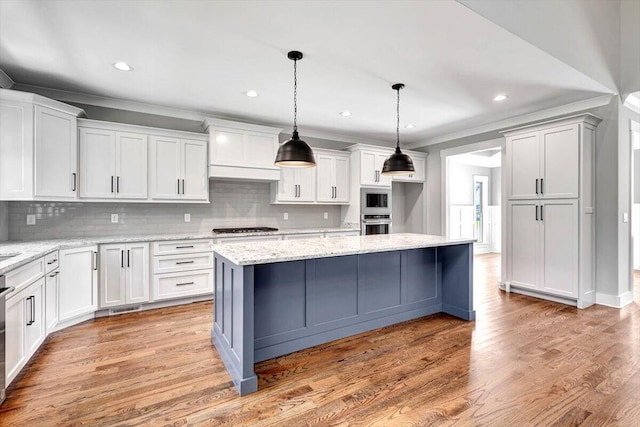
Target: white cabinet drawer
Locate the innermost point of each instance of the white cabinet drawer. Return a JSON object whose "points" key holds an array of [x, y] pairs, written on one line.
{"points": [[186, 262], [23, 276], [177, 285], [51, 261], [172, 247]]}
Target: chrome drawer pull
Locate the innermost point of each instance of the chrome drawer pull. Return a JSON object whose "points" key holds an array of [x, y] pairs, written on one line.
{"points": [[185, 262], [184, 247], [186, 283]]}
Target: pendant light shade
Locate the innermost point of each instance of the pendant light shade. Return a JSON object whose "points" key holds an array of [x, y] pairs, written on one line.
{"points": [[398, 163], [295, 152]]}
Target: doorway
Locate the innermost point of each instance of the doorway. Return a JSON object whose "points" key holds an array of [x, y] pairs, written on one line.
{"points": [[473, 198]]}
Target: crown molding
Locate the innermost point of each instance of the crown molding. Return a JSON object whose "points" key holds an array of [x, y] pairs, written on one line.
{"points": [[521, 120], [6, 82]]}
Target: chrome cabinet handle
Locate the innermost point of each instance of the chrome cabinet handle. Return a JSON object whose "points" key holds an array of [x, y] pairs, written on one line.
{"points": [[183, 186], [541, 185], [128, 258], [178, 185], [52, 261], [117, 184], [74, 181], [185, 262], [537, 213], [112, 183], [95, 258], [121, 258], [541, 212], [537, 186], [184, 247], [184, 284], [30, 321]]}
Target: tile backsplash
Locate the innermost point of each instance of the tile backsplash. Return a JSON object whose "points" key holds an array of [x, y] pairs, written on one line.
{"points": [[233, 203]]}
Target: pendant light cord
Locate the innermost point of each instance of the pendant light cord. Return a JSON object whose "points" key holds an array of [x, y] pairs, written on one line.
{"points": [[398, 121], [295, 95]]}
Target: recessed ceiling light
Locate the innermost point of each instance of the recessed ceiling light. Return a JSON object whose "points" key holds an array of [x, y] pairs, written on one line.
{"points": [[500, 97], [345, 113], [251, 93], [123, 66], [410, 126]]}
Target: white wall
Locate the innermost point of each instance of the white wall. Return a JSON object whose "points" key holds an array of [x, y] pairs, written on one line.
{"points": [[461, 183]]}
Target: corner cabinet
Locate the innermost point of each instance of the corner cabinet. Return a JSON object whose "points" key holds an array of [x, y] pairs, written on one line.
{"points": [[78, 285], [178, 169], [550, 225], [38, 148], [242, 151]]}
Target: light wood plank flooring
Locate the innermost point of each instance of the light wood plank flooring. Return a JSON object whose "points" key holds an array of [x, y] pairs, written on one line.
{"points": [[524, 362]]}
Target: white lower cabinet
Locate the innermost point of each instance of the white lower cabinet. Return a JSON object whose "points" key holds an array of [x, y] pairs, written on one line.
{"points": [[25, 327], [182, 268], [178, 285], [78, 286], [51, 299], [543, 241], [124, 274]]}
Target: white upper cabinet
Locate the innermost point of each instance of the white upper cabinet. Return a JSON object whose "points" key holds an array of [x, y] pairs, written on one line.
{"points": [[113, 164], [178, 169], [38, 148], [419, 164], [332, 176], [56, 153], [242, 150], [296, 185], [544, 163], [371, 163]]}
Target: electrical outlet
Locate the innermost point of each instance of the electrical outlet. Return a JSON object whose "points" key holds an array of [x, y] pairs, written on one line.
{"points": [[326, 215], [187, 217], [625, 217], [286, 215], [114, 218], [31, 220]]}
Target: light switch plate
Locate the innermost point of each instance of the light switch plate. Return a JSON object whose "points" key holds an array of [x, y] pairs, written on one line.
{"points": [[326, 215], [625, 217], [31, 220], [114, 218], [286, 215], [187, 217]]}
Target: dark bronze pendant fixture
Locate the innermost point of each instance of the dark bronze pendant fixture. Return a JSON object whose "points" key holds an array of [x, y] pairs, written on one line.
{"points": [[295, 152], [398, 163]]}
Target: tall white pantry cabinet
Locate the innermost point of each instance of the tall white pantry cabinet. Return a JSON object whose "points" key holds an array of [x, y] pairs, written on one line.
{"points": [[550, 224]]}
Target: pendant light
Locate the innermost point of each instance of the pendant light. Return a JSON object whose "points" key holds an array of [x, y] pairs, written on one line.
{"points": [[398, 163], [295, 152]]}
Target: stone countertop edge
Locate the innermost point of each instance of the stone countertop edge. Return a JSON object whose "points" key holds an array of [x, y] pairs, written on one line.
{"points": [[295, 250], [31, 250]]}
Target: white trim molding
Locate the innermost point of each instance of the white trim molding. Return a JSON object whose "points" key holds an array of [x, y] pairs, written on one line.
{"points": [[522, 120], [6, 82], [616, 301]]}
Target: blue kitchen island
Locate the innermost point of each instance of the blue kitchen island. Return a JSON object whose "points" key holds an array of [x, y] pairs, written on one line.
{"points": [[276, 297]]}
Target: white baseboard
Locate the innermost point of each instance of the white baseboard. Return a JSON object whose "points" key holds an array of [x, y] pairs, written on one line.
{"points": [[616, 301]]}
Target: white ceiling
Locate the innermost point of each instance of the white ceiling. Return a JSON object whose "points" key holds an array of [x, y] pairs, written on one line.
{"points": [[202, 56]]}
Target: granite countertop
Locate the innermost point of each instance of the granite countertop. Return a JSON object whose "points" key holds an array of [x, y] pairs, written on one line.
{"points": [[28, 251], [294, 250]]}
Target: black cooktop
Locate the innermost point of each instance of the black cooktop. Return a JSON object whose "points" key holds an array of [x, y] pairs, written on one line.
{"points": [[244, 230]]}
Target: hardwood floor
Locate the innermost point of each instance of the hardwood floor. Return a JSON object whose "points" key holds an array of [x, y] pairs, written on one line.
{"points": [[524, 362]]}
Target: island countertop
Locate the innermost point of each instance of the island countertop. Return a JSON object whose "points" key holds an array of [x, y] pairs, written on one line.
{"points": [[253, 253]]}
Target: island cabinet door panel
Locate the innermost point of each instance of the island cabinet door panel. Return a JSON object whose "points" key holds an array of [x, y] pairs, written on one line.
{"points": [[420, 276], [379, 282], [333, 290], [280, 299]]}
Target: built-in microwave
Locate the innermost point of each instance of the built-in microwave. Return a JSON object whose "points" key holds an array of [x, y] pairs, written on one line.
{"points": [[375, 201]]}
